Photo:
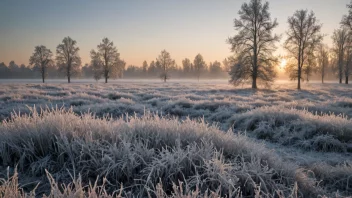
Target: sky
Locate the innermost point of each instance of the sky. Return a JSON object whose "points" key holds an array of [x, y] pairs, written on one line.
{"points": [[141, 29]]}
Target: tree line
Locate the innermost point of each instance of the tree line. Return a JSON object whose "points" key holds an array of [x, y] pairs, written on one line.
{"points": [[254, 44], [106, 63]]}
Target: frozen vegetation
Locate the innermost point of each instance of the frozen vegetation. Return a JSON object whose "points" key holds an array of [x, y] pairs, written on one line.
{"points": [[175, 139]]}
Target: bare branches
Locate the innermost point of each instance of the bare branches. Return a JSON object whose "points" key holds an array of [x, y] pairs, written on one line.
{"points": [[67, 57], [41, 57], [106, 61], [166, 63], [340, 39], [254, 44], [303, 37]]}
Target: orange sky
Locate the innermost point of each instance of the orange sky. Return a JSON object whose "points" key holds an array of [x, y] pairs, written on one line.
{"points": [[141, 29]]}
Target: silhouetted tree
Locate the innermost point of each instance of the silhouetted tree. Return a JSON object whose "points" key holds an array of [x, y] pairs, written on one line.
{"points": [[303, 36], [14, 68], [4, 70], [348, 57], [323, 60], [340, 38], [347, 19], [166, 63], [145, 67], [227, 64], [109, 59], [254, 44], [186, 65], [67, 57], [41, 57], [152, 68], [199, 65], [215, 69]]}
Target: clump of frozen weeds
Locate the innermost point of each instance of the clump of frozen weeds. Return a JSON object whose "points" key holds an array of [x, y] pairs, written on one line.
{"points": [[289, 126]]}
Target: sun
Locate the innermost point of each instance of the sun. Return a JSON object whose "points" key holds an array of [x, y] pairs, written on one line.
{"points": [[283, 64]]}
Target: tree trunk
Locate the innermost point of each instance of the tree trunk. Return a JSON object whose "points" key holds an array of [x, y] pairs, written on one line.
{"points": [[299, 82], [322, 79], [254, 82], [69, 72], [346, 81], [299, 78], [43, 73], [164, 78], [299, 68], [106, 72]]}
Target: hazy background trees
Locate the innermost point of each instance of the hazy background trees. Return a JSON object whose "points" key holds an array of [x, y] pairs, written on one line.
{"points": [[199, 65], [215, 69], [187, 66], [67, 57], [42, 58], [340, 38], [310, 65], [303, 37], [254, 44], [323, 61], [145, 68]]}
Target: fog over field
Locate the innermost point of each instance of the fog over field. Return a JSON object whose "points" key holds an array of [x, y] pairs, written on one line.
{"points": [[205, 134]]}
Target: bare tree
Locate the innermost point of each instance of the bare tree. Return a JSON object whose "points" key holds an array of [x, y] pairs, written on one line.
{"points": [[254, 44], [340, 41], [348, 57], [347, 19], [166, 62], [67, 57], [303, 36], [199, 65], [323, 60], [41, 57], [109, 59], [347, 22]]}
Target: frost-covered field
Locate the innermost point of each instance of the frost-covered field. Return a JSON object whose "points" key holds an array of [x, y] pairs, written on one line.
{"points": [[158, 137]]}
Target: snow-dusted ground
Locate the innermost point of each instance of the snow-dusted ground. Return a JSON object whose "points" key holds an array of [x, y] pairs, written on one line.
{"points": [[309, 127]]}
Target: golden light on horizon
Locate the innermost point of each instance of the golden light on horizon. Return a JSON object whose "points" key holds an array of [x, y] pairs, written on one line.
{"points": [[283, 64]]}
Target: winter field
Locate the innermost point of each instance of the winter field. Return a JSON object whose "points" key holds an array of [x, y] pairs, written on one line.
{"points": [[147, 138]]}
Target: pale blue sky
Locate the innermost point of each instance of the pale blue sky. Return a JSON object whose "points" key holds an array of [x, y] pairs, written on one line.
{"points": [[141, 28]]}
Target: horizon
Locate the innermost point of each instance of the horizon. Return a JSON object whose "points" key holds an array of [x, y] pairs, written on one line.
{"points": [[140, 29]]}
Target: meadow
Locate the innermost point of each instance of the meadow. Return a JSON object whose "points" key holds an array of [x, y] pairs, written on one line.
{"points": [[175, 139]]}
